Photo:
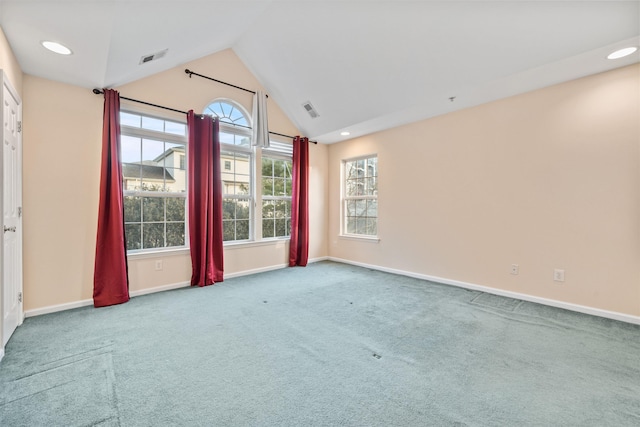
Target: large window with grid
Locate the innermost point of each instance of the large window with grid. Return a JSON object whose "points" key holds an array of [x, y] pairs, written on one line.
{"points": [[276, 190], [360, 197], [154, 181], [237, 163]]}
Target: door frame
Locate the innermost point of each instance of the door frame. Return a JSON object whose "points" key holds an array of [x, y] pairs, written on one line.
{"points": [[5, 82]]}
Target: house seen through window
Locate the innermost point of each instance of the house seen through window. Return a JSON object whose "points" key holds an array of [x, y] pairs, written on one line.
{"points": [[276, 190], [237, 153], [243, 164], [360, 196], [155, 168], [154, 181]]}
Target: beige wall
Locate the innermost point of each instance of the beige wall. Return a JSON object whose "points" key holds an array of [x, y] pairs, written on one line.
{"points": [[61, 177], [62, 142], [9, 64], [548, 179]]}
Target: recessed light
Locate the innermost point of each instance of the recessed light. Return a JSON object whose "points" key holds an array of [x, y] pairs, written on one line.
{"points": [[622, 53], [57, 48], [345, 133]]}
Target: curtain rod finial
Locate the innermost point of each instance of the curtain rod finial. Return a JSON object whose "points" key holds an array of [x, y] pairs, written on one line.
{"points": [[187, 71], [97, 91]]}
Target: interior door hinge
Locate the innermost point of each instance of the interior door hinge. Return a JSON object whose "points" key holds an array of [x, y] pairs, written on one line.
{"points": [[19, 211], [19, 296], [19, 126]]}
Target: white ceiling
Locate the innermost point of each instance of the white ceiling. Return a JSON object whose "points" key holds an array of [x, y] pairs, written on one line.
{"points": [[365, 65]]}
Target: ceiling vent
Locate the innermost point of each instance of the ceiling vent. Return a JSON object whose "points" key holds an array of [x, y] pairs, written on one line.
{"points": [[153, 56], [312, 111]]}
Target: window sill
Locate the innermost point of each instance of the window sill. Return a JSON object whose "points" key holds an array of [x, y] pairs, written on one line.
{"points": [[159, 253], [369, 239], [252, 243], [226, 245]]}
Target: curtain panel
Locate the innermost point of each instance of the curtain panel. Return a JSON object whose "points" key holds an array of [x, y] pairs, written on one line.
{"points": [[205, 200], [299, 243], [260, 129], [110, 278]]}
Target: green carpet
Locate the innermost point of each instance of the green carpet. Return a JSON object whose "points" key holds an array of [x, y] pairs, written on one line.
{"points": [[326, 345]]}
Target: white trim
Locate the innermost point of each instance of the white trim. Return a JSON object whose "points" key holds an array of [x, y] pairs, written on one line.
{"points": [[140, 292], [242, 244], [270, 268], [58, 307], [628, 318], [131, 255], [1, 353], [86, 302], [153, 290], [360, 237], [255, 271]]}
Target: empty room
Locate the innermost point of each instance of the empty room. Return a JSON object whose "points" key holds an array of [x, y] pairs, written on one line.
{"points": [[320, 213]]}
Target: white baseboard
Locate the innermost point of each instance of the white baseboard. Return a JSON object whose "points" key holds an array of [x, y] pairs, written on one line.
{"points": [[86, 302], [530, 298], [269, 268], [255, 271], [1, 353], [58, 307], [159, 289]]}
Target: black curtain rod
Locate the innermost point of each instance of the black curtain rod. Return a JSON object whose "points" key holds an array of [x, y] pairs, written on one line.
{"points": [[99, 92], [193, 73]]}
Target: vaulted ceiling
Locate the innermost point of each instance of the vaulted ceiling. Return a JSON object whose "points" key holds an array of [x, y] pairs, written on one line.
{"points": [[365, 65]]}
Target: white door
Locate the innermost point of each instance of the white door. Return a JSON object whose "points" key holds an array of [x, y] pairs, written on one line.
{"points": [[12, 211]]}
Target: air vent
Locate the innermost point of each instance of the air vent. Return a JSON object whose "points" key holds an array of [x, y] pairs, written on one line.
{"points": [[312, 111], [153, 56]]}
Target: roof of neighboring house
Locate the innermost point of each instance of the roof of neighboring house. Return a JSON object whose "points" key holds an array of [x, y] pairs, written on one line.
{"points": [[135, 170], [169, 151]]}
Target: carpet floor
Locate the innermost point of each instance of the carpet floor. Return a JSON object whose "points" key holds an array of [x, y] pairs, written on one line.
{"points": [[326, 345]]}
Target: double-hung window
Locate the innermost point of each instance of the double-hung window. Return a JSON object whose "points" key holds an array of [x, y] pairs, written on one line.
{"points": [[276, 190], [154, 181], [256, 182], [360, 196], [237, 163]]}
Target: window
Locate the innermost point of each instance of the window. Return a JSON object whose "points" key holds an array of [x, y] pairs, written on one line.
{"points": [[360, 200], [236, 156], [154, 181], [242, 165], [276, 190]]}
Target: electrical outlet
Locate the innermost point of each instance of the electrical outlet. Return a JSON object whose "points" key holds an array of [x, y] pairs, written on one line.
{"points": [[558, 275], [515, 269], [158, 265]]}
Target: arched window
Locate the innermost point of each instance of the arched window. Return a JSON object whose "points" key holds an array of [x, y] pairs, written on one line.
{"points": [[236, 165], [251, 177], [228, 112]]}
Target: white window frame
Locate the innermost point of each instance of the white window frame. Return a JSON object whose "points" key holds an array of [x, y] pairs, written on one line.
{"points": [[250, 197], [345, 199], [279, 150], [164, 137], [244, 132]]}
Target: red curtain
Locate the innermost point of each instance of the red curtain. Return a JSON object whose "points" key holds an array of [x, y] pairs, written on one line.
{"points": [[110, 278], [205, 200], [299, 243]]}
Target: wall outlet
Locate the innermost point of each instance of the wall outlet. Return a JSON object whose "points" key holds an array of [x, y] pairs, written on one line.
{"points": [[558, 275], [515, 269], [158, 265]]}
